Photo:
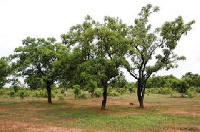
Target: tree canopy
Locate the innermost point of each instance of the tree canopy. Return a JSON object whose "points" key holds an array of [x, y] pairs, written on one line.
{"points": [[4, 71]]}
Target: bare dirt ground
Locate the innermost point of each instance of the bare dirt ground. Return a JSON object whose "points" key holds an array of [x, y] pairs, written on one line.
{"points": [[12, 126]]}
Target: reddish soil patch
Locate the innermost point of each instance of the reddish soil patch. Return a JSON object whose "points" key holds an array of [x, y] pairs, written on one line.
{"points": [[97, 102], [3, 107], [8, 126]]}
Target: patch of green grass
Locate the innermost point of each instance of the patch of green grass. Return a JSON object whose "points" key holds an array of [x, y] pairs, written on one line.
{"points": [[133, 122]]}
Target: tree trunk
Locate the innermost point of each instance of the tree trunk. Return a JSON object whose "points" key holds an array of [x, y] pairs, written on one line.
{"points": [[103, 106], [49, 83], [141, 99], [140, 93]]}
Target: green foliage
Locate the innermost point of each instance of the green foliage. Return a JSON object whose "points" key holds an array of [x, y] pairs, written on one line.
{"points": [[98, 92], [193, 80], [198, 89], [4, 71], [113, 93], [162, 82], [62, 91], [191, 93], [35, 82], [39, 93], [22, 93], [119, 81], [144, 43], [83, 95], [91, 86], [131, 87], [182, 87], [3, 91], [12, 93], [164, 91], [40, 61], [76, 91], [61, 96], [121, 90]]}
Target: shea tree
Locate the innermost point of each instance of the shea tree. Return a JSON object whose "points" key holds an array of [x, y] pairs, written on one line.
{"points": [[39, 59], [101, 48], [152, 50]]}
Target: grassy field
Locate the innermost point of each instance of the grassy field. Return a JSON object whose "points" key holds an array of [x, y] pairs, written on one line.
{"points": [[162, 113]]}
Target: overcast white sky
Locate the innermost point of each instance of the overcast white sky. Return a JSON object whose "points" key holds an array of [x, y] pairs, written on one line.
{"points": [[51, 18]]}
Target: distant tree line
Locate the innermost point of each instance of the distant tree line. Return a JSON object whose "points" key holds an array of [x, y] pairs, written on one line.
{"points": [[188, 80]]}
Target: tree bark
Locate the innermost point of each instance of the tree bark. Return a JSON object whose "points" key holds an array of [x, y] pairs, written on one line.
{"points": [[103, 106], [49, 83], [140, 93]]}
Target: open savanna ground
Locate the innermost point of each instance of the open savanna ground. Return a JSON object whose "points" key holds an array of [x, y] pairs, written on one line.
{"points": [[161, 113]]}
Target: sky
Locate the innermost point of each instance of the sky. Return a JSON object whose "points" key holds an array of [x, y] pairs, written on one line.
{"points": [[51, 18]]}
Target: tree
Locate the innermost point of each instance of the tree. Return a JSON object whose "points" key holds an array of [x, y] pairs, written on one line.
{"points": [[193, 80], [4, 71], [100, 46], [147, 46], [182, 87], [39, 58]]}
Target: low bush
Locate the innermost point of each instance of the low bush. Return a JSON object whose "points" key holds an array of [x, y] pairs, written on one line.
{"points": [[98, 92], [3, 91], [121, 90], [76, 91], [165, 91], [39, 94], [23, 93], [191, 93], [83, 95], [113, 94], [62, 91], [61, 96], [11, 93]]}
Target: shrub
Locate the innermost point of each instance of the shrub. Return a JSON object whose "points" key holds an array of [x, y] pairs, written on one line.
{"points": [[62, 91], [98, 92], [165, 91], [16, 88], [153, 90], [40, 93], [198, 89], [113, 94], [121, 90], [3, 91], [22, 94], [191, 93], [76, 90], [83, 95], [61, 96], [53, 94], [12, 93]]}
